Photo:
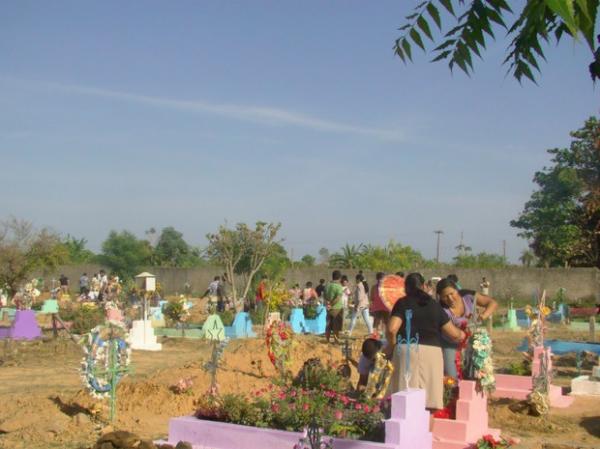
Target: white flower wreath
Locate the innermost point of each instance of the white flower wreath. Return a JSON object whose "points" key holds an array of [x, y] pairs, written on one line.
{"points": [[95, 347]]}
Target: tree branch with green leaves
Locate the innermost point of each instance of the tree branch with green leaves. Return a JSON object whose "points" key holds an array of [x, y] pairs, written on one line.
{"points": [[540, 21]]}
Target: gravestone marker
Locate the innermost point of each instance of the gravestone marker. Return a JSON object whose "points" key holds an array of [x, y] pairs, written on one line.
{"points": [[213, 328]]}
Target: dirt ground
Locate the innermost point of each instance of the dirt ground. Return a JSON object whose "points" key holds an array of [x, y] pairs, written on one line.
{"points": [[43, 403]]}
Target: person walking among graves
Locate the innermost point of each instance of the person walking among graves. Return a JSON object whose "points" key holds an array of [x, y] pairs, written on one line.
{"points": [[360, 305], [64, 284], [429, 322], [212, 292], [346, 295], [84, 285], [379, 311], [103, 285], [335, 307], [484, 287], [459, 305]]}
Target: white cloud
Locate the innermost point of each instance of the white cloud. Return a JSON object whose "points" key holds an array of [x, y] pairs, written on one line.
{"points": [[258, 114]]}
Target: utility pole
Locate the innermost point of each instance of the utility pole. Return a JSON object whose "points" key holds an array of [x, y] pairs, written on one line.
{"points": [[437, 252], [504, 249]]}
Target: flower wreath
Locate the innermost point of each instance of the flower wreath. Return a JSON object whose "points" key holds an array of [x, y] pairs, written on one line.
{"points": [[478, 364], [97, 356], [279, 343]]}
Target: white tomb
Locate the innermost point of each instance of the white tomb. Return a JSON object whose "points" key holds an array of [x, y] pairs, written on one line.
{"points": [[587, 385], [142, 336], [142, 333]]}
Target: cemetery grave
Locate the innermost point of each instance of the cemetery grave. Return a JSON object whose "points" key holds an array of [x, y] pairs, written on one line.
{"points": [[63, 413]]}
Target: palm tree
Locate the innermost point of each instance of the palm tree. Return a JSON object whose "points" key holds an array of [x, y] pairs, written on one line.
{"points": [[347, 258], [527, 257]]}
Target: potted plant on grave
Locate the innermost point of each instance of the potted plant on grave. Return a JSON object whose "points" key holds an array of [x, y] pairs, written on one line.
{"points": [[176, 313]]}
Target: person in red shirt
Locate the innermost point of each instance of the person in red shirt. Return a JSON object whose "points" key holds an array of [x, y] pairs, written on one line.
{"points": [[378, 309], [261, 292]]}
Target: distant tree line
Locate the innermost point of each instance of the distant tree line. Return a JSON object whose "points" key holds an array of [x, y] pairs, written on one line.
{"points": [[561, 220]]}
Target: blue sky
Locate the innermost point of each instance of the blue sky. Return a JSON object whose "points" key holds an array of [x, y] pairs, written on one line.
{"points": [[147, 114]]}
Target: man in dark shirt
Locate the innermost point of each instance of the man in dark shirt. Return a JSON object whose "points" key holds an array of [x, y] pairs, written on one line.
{"points": [[64, 283], [320, 288]]}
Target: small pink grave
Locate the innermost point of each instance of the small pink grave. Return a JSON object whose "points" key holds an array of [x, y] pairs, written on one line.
{"points": [[24, 327], [471, 421], [408, 428], [519, 387]]}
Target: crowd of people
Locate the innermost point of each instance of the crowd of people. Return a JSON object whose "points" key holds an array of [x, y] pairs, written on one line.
{"points": [[100, 287], [439, 313]]}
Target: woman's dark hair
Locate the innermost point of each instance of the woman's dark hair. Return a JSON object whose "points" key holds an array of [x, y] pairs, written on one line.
{"points": [[413, 284], [361, 278], [380, 275], [444, 284], [344, 278]]}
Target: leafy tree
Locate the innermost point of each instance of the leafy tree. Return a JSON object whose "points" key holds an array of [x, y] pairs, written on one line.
{"points": [[481, 260], [391, 257], [562, 218], [539, 21], [125, 254], [242, 251], [276, 263], [24, 250], [78, 253], [172, 250], [308, 260], [324, 256]]}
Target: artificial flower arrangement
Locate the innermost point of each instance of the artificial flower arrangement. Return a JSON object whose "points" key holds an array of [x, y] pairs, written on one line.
{"points": [[450, 398], [97, 356], [277, 296], [478, 364], [27, 296], [536, 328], [183, 386]]}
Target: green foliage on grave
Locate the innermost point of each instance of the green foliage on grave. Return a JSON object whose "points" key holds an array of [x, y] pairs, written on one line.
{"points": [[175, 311], [322, 396], [519, 368], [83, 318], [227, 317], [258, 315], [310, 312]]}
